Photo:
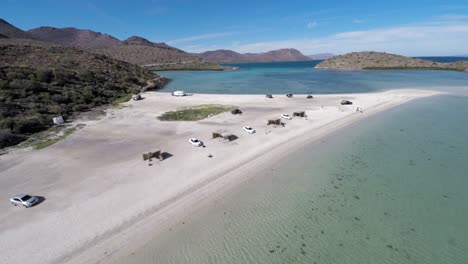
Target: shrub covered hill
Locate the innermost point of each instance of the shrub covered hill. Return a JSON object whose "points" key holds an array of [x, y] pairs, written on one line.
{"points": [[38, 82], [385, 61]]}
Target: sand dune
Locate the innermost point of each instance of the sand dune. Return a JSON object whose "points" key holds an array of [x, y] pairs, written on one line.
{"points": [[102, 199]]}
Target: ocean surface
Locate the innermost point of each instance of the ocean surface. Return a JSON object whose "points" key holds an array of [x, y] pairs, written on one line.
{"points": [[388, 189], [301, 77], [392, 188]]}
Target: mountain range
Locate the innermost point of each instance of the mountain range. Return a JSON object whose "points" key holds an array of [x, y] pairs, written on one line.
{"points": [[140, 51], [135, 49], [230, 56]]}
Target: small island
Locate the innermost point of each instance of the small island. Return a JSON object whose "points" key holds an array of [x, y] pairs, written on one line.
{"points": [[370, 60]]}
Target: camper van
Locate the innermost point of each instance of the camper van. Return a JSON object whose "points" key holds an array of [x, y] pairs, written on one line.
{"points": [[178, 93]]}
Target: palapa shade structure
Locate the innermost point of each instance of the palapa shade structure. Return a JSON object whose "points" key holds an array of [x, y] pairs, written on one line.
{"points": [[299, 113], [224, 135], [150, 155], [274, 122]]}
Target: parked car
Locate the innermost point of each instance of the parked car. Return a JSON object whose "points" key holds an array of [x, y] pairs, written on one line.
{"points": [[25, 200], [249, 130], [286, 116], [236, 112], [195, 142], [269, 96], [289, 95], [309, 96], [178, 93], [346, 102]]}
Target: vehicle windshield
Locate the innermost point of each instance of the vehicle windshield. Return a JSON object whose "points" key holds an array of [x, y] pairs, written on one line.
{"points": [[195, 140], [26, 197]]}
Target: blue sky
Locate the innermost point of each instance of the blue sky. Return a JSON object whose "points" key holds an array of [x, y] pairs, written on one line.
{"points": [[415, 28]]}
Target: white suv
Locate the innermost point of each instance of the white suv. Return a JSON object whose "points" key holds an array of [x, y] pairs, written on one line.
{"points": [[195, 142], [249, 130]]}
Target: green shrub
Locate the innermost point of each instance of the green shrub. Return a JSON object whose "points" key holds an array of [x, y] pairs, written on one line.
{"points": [[28, 125], [80, 107], [9, 139]]}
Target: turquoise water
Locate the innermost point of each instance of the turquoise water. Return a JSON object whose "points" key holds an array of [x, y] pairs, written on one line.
{"points": [[300, 77], [390, 189]]}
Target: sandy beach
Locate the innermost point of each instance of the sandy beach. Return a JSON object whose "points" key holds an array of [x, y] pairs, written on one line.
{"points": [[102, 200]]}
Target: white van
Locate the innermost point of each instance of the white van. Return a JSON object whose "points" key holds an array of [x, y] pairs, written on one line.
{"points": [[178, 93]]}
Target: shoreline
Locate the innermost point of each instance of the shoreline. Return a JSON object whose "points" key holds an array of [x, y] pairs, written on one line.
{"points": [[139, 226]]}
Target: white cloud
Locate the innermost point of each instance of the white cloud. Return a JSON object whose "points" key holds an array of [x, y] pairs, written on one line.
{"points": [[453, 17], [413, 40], [312, 24], [202, 37], [358, 21]]}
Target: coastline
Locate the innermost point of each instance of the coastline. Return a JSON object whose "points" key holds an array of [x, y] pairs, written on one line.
{"points": [[139, 224]]}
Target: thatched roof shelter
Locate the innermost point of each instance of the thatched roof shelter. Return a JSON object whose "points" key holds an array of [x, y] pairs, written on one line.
{"points": [[300, 114], [274, 122], [224, 135], [155, 154]]}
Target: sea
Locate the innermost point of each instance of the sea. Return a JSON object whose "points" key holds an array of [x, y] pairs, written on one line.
{"points": [[302, 78], [392, 188]]}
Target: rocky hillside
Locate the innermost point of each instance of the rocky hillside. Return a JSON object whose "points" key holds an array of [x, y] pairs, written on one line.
{"points": [[10, 31], [156, 56], [73, 37], [136, 50], [40, 82], [229, 56], [381, 60]]}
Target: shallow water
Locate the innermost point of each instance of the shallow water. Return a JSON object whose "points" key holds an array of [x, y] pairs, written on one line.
{"points": [[300, 77], [390, 189]]}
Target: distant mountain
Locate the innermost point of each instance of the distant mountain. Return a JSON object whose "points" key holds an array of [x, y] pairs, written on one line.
{"points": [[158, 56], [321, 56], [135, 49], [136, 40], [229, 56], [386, 61], [73, 37], [10, 31]]}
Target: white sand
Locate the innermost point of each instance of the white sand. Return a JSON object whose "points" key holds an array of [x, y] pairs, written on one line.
{"points": [[103, 200]]}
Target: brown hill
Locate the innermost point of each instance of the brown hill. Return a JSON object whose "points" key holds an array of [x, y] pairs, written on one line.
{"points": [[10, 31], [136, 40], [158, 56], [222, 56], [73, 37], [381, 60], [229, 56], [136, 50]]}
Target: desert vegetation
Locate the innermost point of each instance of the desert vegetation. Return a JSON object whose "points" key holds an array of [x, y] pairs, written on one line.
{"points": [[196, 113], [38, 83], [386, 61]]}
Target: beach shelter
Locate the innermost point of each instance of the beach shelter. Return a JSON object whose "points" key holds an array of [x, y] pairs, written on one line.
{"points": [[274, 122], [224, 135], [299, 114], [155, 154]]}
